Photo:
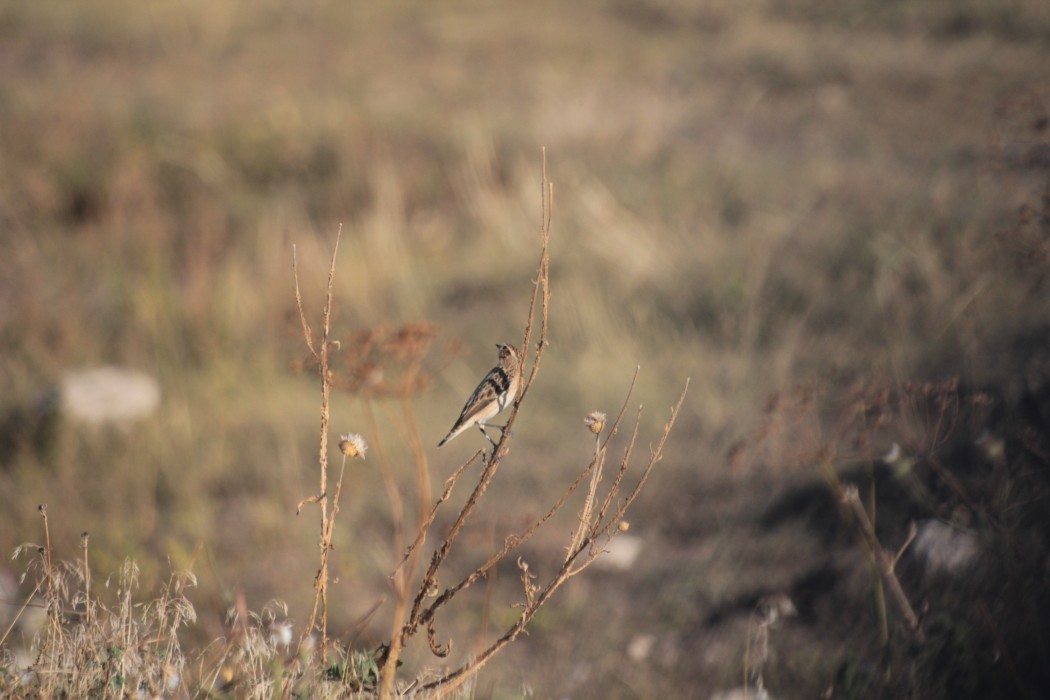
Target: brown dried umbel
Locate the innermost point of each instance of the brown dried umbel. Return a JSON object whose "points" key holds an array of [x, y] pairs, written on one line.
{"points": [[385, 361]]}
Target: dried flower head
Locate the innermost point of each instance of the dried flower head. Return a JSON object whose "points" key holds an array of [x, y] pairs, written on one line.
{"points": [[280, 633], [353, 445], [595, 421], [623, 526], [773, 608]]}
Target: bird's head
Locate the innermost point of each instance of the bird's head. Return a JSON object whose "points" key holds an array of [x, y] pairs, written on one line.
{"points": [[507, 353]]}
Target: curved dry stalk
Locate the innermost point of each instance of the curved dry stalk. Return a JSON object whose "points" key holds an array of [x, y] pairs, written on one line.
{"points": [[446, 545], [424, 526]]}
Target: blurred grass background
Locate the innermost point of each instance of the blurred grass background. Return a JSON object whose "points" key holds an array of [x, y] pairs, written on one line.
{"points": [[754, 195]]}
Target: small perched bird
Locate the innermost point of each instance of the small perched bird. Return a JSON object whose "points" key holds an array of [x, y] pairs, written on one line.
{"points": [[495, 392]]}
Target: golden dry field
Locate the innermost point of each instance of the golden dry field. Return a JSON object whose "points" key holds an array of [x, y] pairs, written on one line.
{"points": [[832, 218]]}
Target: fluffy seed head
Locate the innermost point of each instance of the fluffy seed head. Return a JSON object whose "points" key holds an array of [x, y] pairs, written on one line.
{"points": [[353, 445], [595, 421]]}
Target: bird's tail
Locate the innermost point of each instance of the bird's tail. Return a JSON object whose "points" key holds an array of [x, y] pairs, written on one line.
{"points": [[456, 430]]}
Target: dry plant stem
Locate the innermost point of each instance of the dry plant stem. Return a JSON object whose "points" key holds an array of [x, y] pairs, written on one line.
{"points": [[510, 544], [42, 509], [87, 580], [913, 532], [399, 579], [603, 529], [320, 354], [428, 520], [54, 612], [18, 615], [514, 541], [541, 299], [615, 488], [881, 613], [536, 597], [410, 435], [541, 293], [442, 552], [762, 640], [588, 503], [393, 493], [849, 496], [655, 456], [491, 466]]}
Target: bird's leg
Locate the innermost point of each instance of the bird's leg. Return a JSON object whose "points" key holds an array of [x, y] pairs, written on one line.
{"points": [[481, 427], [502, 432]]}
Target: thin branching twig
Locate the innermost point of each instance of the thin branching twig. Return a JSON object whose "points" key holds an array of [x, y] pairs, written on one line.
{"points": [[539, 302], [851, 499], [535, 596], [600, 519], [320, 353]]}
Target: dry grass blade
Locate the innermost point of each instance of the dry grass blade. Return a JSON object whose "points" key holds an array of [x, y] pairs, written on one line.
{"points": [[22, 609], [541, 285]]}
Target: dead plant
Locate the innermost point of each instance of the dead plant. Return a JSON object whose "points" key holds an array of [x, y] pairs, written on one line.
{"points": [[363, 370]]}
